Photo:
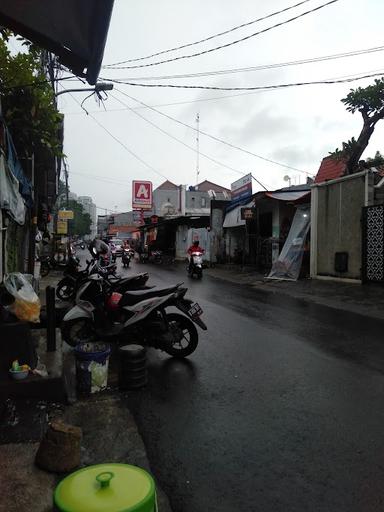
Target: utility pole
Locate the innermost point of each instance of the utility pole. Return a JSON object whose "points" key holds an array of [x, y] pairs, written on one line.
{"points": [[68, 251], [66, 185], [197, 147]]}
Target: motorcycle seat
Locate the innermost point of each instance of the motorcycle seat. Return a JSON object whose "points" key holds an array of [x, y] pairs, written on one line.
{"points": [[131, 298], [126, 279]]}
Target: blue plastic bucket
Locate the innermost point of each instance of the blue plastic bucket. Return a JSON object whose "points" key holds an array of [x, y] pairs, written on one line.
{"points": [[92, 366]]}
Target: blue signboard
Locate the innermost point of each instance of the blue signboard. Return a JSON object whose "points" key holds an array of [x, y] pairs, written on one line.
{"points": [[242, 188]]}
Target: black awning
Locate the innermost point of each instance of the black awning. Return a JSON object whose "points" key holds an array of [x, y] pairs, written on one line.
{"points": [[74, 30]]}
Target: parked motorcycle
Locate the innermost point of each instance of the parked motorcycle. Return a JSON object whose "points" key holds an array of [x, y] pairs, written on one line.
{"points": [[65, 289], [195, 267], [73, 278], [139, 316], [143, 257], [126, 257], [48, 263], [156, 257]]}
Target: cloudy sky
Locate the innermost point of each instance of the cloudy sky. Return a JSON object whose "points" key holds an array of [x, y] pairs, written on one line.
{"points": [[294, 126]]}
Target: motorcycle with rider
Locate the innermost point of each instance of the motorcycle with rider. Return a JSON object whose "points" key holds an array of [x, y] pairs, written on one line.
{"points": [[195, 266]]}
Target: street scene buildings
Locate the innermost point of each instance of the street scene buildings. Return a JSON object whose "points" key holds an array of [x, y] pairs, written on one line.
{"points": [[191, 256]]}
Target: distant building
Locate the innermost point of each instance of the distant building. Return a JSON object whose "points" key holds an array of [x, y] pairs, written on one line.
{"points": [[170, 200], [90, 208], [103, 222], [73, 196], [181, 216], [167, 200], [123, 226], [198, 198]]}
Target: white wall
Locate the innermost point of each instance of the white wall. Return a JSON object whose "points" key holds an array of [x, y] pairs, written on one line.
{"points": [[185, 237], [234, 240]]}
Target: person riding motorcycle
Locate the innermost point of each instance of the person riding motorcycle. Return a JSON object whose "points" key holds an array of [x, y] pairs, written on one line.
{"points": [[195, 247], [101, 251], [112, 247]]}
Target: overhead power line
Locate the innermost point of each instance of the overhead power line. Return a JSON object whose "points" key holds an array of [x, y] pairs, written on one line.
{"points": [[112, 181], [105, 209], [217, 139], [256, 88], [311, 60], [37, 83], [220, 164], [120, 142], [227, 44], [210, 37], [162, 105]]}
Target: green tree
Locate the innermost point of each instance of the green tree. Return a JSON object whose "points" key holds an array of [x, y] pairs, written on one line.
{"points": [[28, 100], [376, 161], [369, 101], [81, 223], [62, 191]]}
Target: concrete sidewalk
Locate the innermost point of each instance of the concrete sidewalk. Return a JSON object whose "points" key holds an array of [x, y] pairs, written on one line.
{"points": [[366, 300], [110, 434]]}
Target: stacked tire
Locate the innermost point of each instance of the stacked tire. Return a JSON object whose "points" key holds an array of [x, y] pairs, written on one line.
{"points": [[132, 367]]}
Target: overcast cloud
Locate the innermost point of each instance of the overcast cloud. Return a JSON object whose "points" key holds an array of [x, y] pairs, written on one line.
{"points": [[295, 126]]}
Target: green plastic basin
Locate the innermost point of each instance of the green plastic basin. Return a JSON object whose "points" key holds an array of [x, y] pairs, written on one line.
{"points": [[107, 487]]}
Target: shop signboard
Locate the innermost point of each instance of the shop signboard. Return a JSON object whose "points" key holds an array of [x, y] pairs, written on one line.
{"points": [[242, 188], [62, 227], [138, 217], [65, 214], [142, 195], [248, 213]]}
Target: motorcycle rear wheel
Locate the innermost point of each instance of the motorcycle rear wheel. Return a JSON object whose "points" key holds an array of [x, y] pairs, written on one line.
{"points": [[185, 337], [78, 330], [66, 290]]}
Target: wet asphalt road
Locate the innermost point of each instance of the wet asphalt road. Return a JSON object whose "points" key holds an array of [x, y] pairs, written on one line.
{"points": [[281, 407]]}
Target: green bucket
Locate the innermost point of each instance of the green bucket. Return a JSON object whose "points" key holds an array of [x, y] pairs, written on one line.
{"points": [[107, 487]]}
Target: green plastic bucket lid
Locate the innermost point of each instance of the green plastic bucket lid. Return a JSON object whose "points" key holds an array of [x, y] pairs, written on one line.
{"points": [[107, 487]]}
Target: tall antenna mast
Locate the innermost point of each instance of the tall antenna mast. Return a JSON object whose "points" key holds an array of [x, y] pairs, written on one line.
{"points": [[197, 147]]}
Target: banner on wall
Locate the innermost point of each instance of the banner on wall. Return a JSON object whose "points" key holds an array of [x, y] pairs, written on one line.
{"points": [[288, 265]]}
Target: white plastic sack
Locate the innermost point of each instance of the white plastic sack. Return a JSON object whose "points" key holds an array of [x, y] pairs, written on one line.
{"points": [[10, 198], [27, 304]]}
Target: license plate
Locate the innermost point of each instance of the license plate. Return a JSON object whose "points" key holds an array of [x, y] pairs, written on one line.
{"points": [[195, 310]]}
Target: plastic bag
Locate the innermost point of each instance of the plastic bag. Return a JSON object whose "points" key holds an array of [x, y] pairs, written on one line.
{"points": [[27, 304]]}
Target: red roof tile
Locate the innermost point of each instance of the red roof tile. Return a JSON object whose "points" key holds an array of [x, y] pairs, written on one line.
{"points": [[330, 169]]}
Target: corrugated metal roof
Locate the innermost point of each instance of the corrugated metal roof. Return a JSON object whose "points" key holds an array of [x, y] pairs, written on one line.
{"points": [[75, 31], [233, 218], [294, 195]]}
